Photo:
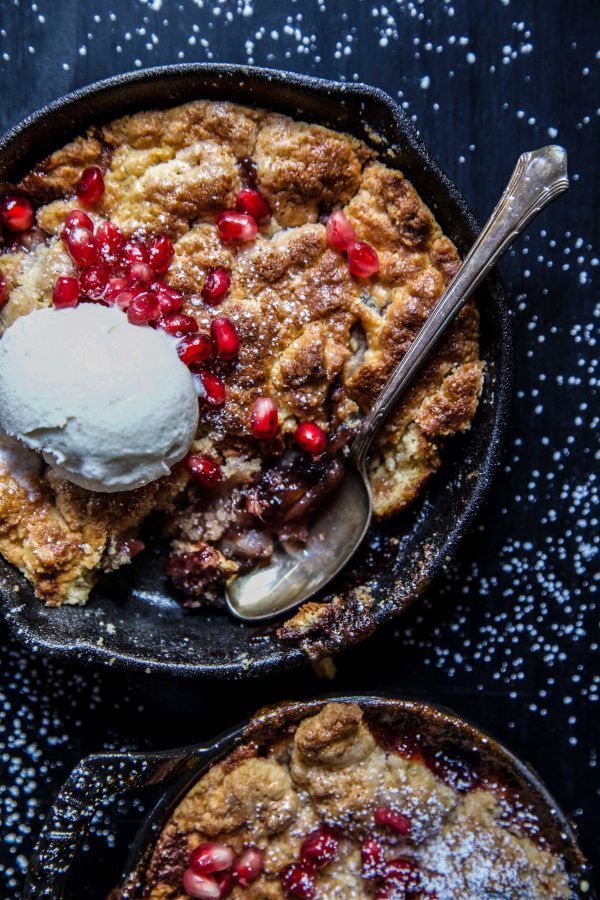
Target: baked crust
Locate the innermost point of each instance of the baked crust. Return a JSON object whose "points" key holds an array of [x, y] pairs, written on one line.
{"points": [[316, 340], [333, 771]]}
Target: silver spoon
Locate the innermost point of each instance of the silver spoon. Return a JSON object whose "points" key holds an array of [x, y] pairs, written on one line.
{"points": [[338, 529]]}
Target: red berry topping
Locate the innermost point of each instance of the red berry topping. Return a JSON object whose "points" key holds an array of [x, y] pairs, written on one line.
{"points": [[141, 272], [225, 337], [210, 388], [311, 438], [208, 474], [215, 286], [114, 287], [160, 253], [177, 324], [66, 292], [123, 300], [236, 226], [133, 252], [362, 259], [248, 866], [402, 874], [201, 887], [389, 818], [78, 217], [16, 213], [3, 290], [373, 858], [81, 245], [265, 418], [90, 186], [339, 232], [142, 309], [319, 848], [170, 300], [93, 281], [207, 858], [195, 348], [250, 201], [109, 243], [299, 881]]}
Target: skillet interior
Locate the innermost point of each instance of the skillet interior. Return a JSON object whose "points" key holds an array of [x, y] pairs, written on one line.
{"points": [[148, 628]]}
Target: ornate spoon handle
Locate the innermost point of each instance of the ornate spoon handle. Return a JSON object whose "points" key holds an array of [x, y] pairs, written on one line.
{"points": [[539, 177]]}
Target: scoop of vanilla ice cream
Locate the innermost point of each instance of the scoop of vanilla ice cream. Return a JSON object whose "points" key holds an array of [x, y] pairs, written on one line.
{"points": [[110, 405]]}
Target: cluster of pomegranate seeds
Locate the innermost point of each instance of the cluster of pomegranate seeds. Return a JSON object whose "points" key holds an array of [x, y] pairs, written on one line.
{"points": [[318, 849], [389, 818], [66, 292], [402, 874], [264, 419], [299, 881], [16, 213], [341, 236], [215, 286], [311, 438], [203, 470], [214, 870]]}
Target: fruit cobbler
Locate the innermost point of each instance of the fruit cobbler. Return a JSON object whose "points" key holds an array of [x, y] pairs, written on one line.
{"points": [[291, 270], [340, 807]]}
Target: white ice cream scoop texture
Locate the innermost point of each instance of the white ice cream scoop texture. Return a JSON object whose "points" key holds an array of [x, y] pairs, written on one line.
{"points": [[110, 405]]}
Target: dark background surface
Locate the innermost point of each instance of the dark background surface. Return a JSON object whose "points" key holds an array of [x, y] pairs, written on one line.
{"points": [[509, 637]]}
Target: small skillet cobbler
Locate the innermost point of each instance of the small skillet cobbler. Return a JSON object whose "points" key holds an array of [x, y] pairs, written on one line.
{"points": [[295, 269]]}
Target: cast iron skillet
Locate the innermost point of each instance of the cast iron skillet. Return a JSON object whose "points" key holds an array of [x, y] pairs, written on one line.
{"points": [[102, 776], [134, 619]]}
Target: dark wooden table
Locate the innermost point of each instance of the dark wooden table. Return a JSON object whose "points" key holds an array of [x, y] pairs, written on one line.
{"points": [[509, 637]]}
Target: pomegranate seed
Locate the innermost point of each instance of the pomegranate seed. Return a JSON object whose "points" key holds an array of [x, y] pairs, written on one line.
{"points": [[248, 866], [195, 348], [389, 818], [264, 419], [298, 880], [81, 245], [124, 299], [170, 300], [133, 546], [133, 252], [319, 848], [236, 226], [402, 874], [250, 201], [115, 287], [3, 290], [178, 324], [373, 858], [215, 286], [141, 272], [311, 438], [202, 887], [226, 883], [362, 259], [209, 474], [16, 213], [225, 337], [77, 217], [94, 281], [160, 253], [90, 186], [66, 292], [210, 388], [142, 309], [109, 243], [339, 232], [207, 858]]}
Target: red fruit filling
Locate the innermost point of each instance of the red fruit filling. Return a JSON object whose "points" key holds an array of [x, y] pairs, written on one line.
{"points": [[215, 286], [16, 213], [311, 438], [225, 337], [66, 292], [252, 202]]}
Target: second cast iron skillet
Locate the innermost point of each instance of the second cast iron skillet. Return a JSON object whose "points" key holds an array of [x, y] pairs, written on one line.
{"points": [[134, 619], [100, 777]]}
